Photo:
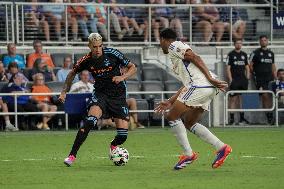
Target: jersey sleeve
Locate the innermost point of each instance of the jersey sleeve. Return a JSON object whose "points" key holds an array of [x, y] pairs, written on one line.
{"points": [[246, 59], [122, 60], [79, 66], [229, 60], [252, 57], [178, 49], [272, 57]]}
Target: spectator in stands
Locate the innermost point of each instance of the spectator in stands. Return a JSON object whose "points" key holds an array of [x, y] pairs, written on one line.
{"points": [[39, 54], [238, 75], [202, 29], [278, 85], [98, 13], [238, 25], [14, 69], [128, 24], [85, 22], [44, 103], [62, 73], [133, 122], [263, 67], [12, 56], [3, 76], [36, 19], [211, 15], [82, 86], [54, 14], [9, 125], [40, 66], [24, 104]]}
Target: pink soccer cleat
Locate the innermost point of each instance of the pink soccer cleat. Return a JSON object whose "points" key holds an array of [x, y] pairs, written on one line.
{"points": [[69, 160]]}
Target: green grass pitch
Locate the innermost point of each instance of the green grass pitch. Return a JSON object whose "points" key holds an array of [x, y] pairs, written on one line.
{"points": [[35, 160]]}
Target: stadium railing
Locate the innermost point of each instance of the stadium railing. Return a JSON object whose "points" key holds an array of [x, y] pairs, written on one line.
{"points": [[7, 30], [183, 11], [227, 109], [16, 113], [277, 108]]}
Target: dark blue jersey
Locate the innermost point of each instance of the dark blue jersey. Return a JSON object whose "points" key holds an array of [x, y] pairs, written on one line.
{"points": [[103, 69]]}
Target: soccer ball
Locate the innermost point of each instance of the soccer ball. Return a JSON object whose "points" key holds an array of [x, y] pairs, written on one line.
{"points": [[119, 156]]}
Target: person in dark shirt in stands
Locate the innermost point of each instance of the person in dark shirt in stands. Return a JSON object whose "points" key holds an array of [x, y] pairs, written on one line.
{"points": [[264, 70], [278, 85], [238, 75]]}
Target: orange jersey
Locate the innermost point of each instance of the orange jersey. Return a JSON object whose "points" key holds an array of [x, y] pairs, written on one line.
{"points": [[46, 57], [41, 89]]}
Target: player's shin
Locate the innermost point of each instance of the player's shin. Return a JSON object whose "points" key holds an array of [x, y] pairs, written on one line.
{"points": [[120, 137], [82, 134], [203, 133], [180, 133]]}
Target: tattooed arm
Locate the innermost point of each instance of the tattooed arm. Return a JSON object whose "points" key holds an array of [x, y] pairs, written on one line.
{"points": [[190, 56], [67, 85]]}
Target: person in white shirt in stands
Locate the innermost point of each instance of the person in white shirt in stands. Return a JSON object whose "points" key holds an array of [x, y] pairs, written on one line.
{"points": [[82, 86], [188, 104]]}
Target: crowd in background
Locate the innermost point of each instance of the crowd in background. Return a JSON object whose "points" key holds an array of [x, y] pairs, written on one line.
{"points": [[131, 23]]}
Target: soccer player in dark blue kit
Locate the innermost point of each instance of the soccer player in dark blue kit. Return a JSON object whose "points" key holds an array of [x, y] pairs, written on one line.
{"points": [[109, 96]]}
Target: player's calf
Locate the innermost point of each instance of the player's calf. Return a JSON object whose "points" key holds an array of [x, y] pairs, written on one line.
{"points": [[119, 139]]}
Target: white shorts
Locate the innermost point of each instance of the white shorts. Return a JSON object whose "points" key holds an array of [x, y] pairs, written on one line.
{"points": [[195, 96]]}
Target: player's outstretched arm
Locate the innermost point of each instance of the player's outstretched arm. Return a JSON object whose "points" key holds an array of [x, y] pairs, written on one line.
{"points": [[67, 85], [190, 56], [165, 105]]}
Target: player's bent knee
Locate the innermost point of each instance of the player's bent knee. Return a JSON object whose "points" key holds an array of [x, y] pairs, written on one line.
{"points": [[90, 121]]}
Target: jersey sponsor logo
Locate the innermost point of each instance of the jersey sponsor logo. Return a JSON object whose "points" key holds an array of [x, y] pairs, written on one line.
{"points": [[239, 63], [266, 60], [101, 71]]}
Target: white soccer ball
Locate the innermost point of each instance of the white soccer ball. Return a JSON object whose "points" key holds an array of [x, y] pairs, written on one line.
{"points": [[119, 156]]}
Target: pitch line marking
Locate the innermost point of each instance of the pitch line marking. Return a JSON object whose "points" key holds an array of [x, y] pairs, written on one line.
{"points": [[134, 156], [261, 157]]}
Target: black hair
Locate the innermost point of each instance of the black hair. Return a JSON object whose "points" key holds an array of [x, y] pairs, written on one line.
{"points": [[36, 42], [13, 65], [263, 36], [168, 33], [280, 70], [236, 40]]}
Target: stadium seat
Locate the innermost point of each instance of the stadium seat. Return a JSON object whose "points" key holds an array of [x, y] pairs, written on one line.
{"points": [[133, 86], [78, 56], [27, 72], [55, 86], [156, 74], [56, 69], [152, 86], [58, 58], [146, 65], [134, 58], [172, 86], [142, 104], [2, 84]]}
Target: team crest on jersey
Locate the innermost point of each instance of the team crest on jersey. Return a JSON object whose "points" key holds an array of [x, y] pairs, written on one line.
{"points": [[235, 57], [269, 54], [243, 57], [261, 54]]}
